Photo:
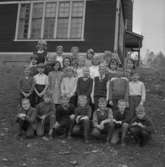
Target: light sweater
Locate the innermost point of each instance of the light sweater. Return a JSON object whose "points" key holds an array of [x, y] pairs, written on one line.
{"points": [[137, 89]]}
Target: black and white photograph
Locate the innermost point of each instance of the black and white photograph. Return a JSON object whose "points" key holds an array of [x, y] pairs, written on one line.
{"points": [[82, 83]]}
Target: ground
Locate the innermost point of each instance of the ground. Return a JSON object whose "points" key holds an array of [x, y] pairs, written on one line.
{"points": [[63, 153]]}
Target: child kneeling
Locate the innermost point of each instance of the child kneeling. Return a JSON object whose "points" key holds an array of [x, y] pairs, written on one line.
{"points": [[64, 117], [122, 118], [82, 117], [26, 119], [46, 116], [103, 120], [141, 128]]}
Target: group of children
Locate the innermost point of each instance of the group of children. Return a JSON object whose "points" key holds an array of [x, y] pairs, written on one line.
{"points": [[82, 95]]}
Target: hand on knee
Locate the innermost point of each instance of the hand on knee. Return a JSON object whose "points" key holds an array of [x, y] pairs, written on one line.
{"points": [[95, 132]]}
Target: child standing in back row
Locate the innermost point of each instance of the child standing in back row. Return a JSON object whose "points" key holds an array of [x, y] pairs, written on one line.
{"points": [[137, 93]]}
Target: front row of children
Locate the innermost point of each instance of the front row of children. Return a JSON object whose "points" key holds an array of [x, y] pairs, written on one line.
{"points": [[116, 126]]}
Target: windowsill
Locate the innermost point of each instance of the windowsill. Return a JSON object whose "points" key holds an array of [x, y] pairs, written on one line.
{"points": [[60, 40]]}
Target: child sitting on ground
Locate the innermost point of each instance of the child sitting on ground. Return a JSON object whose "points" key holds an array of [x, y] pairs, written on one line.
{"points": [[26, 84], [137, 93], [40, 84], [26, 119], [103, 120], [100, 86], [85, 84], [141, 127], [46, 116], [65, 117], [82, 117], [121, 123]]}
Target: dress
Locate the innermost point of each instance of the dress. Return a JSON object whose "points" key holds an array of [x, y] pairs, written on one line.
{"points": [[55, 85]]}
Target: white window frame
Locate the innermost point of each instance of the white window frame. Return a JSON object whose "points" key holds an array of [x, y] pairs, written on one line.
{"points": [[43, 20]]}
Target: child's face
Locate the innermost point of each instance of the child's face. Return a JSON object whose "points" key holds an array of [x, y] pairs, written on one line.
{"points": [[26, 104], [27, 72], [113, 66], [140, 115], [59, 51], [34, 61], [56, 66], [102, 105], [89, 55], [40, 70], [81, 61], [66, 62], [130, 64], [102, 70], [135, 77], [95, 61], [69, 73], [122, 106], [82, 101], [47, 99], [75, 51], [51, 59]]}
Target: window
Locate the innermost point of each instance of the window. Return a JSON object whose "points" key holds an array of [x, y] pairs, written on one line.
{"points": [[51, 20]]}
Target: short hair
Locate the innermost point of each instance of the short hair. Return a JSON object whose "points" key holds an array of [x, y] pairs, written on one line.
{"points": [[82, 97], [25, 99], [102, 100], [74, 47], [91, 51], [59, 47], [140, 109]]}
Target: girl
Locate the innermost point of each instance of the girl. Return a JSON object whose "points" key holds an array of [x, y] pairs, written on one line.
{"points": [[90, 54], [54, 79], [68, 85], [40, 84], [81, 65], [66, 62]]}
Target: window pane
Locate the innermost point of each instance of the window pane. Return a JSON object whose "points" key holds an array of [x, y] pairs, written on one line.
{"points": [[24, 21], [36, 28], [64, 8], [62, 28], [77, 9], [49, 28], [37, 10], [76, 28], [50, 10], [36, 20]]}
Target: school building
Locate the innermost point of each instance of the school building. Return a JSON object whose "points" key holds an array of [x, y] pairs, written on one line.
{"points": [[98, 24]]}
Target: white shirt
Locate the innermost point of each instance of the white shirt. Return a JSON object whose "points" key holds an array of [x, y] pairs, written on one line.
{"points": [[137, 89], [94, 71], [60, 59], [79, 72], [41, 79]]}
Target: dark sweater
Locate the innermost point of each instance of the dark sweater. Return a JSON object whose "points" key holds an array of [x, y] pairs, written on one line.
{"points": [[100, 88], [26, 85], [146, 122], [64, 113], [124, 118], [84, 87]]}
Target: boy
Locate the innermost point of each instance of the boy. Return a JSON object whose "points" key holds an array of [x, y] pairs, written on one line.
{"points": [[103, 120], [121, 121], [85, 84], [118, 89], [26, 84], [141, 127], [137, 93], [33, 65], [26, 119], [46, 116], [40, 84], [100, 86], [65, 116], [82, 117]]}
